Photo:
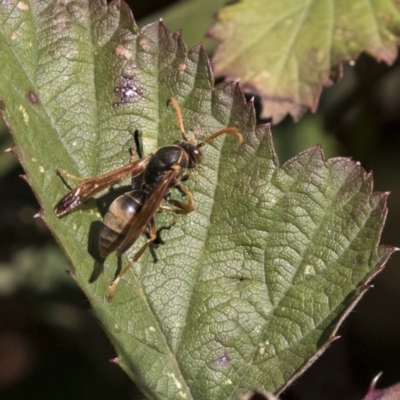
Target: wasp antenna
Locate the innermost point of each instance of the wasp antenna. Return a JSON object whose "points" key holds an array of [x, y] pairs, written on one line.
{"points": [[229, 129], [178, 112]]}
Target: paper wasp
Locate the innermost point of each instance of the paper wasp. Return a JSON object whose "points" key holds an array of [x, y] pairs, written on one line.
{"points": [[131, 215]]}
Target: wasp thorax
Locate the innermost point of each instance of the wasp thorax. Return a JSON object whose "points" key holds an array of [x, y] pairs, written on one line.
{"points": [[167, 158]]}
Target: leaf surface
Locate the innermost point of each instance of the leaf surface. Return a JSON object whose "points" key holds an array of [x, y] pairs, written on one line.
{"points": [[287, 51], [249, 288]]}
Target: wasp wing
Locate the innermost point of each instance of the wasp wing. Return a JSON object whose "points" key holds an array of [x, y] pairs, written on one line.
{"points": [[153, 202], [92, 186]]}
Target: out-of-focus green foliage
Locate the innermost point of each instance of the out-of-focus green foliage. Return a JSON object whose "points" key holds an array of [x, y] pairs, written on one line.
{"points": [[287, 51]]}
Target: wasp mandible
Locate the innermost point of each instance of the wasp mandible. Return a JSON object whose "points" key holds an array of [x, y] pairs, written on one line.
{"points": [[131, 215]]}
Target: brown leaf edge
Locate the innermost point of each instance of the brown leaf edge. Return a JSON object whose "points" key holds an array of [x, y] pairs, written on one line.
{"points": [[278, 107]]}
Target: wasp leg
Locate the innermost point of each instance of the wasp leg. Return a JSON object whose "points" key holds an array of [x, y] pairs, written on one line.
{"points": [[136, 257], [66, 174], [186, 177], [132, 153], [178, 112], [182, 207]]}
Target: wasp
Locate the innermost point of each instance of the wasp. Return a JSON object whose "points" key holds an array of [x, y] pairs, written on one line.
{"points": [[132, 214]]}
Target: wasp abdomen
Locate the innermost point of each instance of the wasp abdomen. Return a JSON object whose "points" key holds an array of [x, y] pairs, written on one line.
{"points": [[116, 220]]}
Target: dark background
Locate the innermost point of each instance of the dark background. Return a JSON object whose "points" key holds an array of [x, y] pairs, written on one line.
{"points": [[52, 347]]}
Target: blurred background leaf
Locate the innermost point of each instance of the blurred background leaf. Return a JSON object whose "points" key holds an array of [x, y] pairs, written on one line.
{"points": [[287, 51], [193, 17]]}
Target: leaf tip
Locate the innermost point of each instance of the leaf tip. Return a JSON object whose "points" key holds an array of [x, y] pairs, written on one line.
{"points": [[198, 49], [12, 150], [114, 360], [160, 24], [24, 177], [70, 273], [39, 214], [375, 381], [368, 286], [387, 252], [177, 35]]}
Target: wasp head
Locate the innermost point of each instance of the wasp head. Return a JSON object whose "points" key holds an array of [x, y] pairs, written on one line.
{"points": [[195, 155]]}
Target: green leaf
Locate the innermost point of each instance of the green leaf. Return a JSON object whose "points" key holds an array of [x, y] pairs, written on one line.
{"points": [[247, 290], [287, 51]]}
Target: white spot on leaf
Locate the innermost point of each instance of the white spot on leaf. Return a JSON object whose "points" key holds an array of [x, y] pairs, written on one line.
{"points": [[24, 114], [22, 6]]}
